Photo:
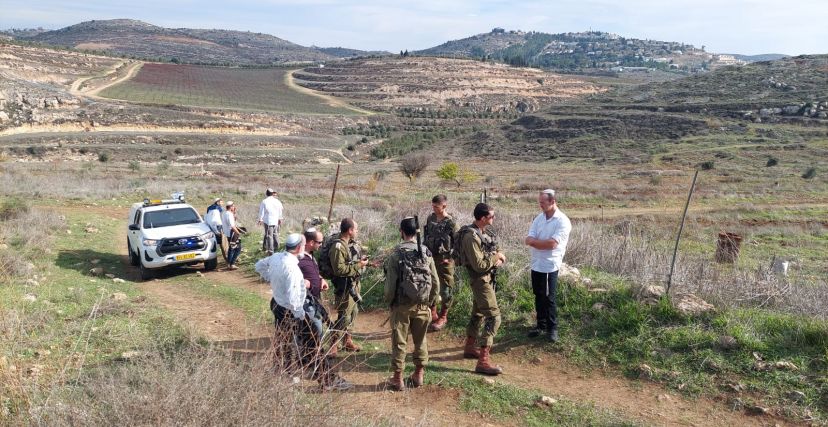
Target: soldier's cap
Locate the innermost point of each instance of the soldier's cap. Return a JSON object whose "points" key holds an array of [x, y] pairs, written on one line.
{"points": [[293, 240]]}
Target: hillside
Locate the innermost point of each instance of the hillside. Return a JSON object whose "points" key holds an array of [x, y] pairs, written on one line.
{"points": [[793, 87], [344, 52], [592, 50], [131, 38]]}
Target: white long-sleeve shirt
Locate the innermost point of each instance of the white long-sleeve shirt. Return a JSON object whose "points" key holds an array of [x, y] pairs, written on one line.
{"points": [[286, 281], [228, 221], [543, 228], [270, 211]]}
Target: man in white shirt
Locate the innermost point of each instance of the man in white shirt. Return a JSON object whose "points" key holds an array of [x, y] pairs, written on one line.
{"points": [[286, 280], [547, 239], [270, 215]]}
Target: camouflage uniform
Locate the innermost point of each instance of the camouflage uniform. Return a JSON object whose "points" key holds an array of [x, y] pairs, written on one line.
{"points": [[344, 259], [408, 315], [479, 257], [438, 238]]}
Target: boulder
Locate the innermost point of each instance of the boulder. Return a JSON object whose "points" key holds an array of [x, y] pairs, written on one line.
{"points": [[97, 271], [651, 294], [791, 110], [546, 401], [119, 296], [567, 272], [691, 305]]}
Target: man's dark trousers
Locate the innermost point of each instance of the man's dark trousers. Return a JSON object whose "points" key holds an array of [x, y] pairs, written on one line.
{"points": [[545, 286]]}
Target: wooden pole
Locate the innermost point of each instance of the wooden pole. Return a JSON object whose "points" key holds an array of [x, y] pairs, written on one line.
{"points": [[333, 193], [678, 237]]}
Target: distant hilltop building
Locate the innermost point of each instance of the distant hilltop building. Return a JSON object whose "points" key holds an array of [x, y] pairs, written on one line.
{"points": [[728, 60]]}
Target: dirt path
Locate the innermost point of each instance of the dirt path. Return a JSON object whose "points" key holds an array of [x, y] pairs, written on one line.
{"points": [[290, 81], [130, 73]]}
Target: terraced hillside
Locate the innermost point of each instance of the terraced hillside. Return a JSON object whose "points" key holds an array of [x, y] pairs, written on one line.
{"points": [[393, 83]]}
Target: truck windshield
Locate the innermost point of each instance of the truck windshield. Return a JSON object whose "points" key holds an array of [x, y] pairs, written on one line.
{"points": [[168, 217]]}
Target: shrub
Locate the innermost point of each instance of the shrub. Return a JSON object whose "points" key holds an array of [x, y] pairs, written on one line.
{"points": [[350, 147], [103, 157], [773, 161], [413, 165], [809, 173], [706, 166], [134, 165], [449, 171], [12, 208]]}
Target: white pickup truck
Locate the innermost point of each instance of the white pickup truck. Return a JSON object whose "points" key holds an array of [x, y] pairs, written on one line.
{"points": [[163, 233]]}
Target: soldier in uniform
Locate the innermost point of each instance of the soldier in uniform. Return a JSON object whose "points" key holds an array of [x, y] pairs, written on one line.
{"points": [[480, 257], [438, 235], [347, 267], [411, 284]]}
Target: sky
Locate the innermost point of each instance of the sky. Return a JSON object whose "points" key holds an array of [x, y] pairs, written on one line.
{"points": [[722, 26]]}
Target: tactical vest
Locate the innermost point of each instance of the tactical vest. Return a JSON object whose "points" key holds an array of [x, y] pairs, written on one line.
{"points": [[414, 278], [438, 237]]}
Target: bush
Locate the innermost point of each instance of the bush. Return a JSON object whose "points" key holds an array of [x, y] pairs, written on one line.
{"points": [[773, 161], [706, 166], [12, 208], [413, 165], [449, 171], [103, 157], [810, 173], [134, 165]]}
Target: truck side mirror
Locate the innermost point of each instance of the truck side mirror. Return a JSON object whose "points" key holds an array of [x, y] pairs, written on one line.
{"points": [[134, 227]]}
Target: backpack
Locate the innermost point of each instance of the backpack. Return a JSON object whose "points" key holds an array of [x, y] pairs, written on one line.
{"points": [[325, 267], [414, 281], [438, 238]]}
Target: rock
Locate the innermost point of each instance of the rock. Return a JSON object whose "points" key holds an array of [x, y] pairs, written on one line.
{"points": [[756, 410], [645, 372], [664, 398], [597, 290], [119, 296], [727, 342], [90, 229], [97, 271], [199, 274], [34, 371], [109, 276], [68, 231], [785, 366], [537, 360], [3, 116], [712, 366], [130, 355], [29, 298], [651, 294], [691, 305], [586, 281], [791, 110], [736, 403], [118, 280], [736, 387], [42, 353], [761, 366], [567, 272], [488, 381], [797, 396], [95, 261], [32, 282], [546, 401], [599, 306]]}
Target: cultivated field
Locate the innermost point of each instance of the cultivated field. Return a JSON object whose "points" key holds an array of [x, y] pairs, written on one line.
{"points": [[217, 87]]}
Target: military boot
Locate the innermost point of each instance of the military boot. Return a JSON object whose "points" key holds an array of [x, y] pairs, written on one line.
{"points": [[441, 321], [470, 351], [484, 366], [350, 345], [416, 378], [433, 313], [396, 382]]}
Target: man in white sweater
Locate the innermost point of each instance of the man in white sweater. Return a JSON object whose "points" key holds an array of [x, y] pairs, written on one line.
{"points": [[270, 215]]}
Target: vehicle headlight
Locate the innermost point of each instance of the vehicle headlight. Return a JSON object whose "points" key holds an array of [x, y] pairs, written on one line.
{"points": [[150, 242], [208, 236]]}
